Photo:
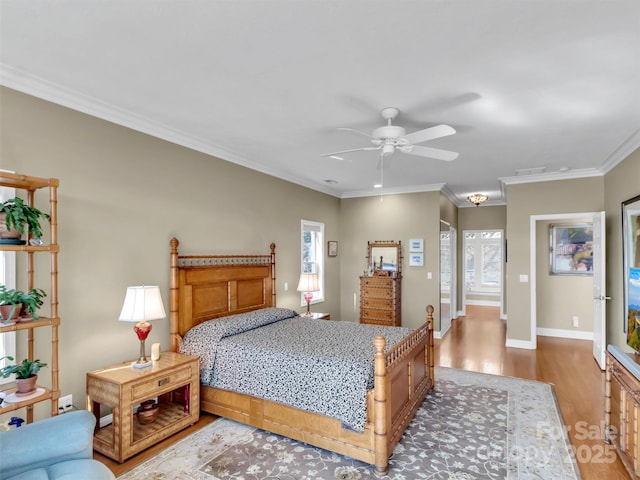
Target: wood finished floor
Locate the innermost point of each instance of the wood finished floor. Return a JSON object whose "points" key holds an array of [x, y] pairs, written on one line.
{"points": [[476, 343]]}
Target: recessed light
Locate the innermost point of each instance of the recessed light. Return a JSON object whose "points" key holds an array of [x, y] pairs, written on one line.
{"points": [[377, 185], [331, 181]]}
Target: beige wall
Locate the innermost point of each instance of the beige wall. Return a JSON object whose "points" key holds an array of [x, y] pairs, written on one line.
{"points": [[621, 183], [542, 198], [397, 217], [122, 196], [560, 297]]}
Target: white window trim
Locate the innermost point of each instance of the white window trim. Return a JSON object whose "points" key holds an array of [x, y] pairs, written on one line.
{"points": [[318, 227], [8, 278]]}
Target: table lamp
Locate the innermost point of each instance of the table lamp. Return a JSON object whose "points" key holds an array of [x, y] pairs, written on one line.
{"points": [[142, 304], [308, 283]]}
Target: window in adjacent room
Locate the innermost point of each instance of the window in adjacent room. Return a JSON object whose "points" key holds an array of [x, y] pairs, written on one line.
{"points": [[313, 256], [8, 278], [483, 266]]}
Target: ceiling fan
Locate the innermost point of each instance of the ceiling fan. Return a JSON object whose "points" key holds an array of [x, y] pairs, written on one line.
{"points": [[391, 138]]}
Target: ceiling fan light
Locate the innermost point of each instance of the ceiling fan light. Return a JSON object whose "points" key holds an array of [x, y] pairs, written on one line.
{"points": [[388, 149], [478, 198]]}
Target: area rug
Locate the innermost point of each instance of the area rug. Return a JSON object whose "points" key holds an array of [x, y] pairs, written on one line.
{"points": [[471, 426]]}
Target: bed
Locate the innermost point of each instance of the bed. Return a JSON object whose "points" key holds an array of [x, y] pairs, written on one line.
{"points": [[207, 291]]}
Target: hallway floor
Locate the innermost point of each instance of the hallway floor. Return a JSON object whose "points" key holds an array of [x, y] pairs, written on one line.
{"points": [[477, 342]]}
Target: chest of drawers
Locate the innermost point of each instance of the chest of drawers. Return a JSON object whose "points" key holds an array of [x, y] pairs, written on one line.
{"points": [[380, 300]]}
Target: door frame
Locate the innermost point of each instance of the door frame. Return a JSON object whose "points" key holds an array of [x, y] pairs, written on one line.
{"points": [[533, 223]]}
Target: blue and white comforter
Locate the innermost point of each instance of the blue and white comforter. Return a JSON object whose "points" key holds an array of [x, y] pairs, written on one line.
{"points": [[324, 367]]}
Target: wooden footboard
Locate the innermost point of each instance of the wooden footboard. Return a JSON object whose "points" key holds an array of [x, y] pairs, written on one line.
{"points": [[206, 287]]}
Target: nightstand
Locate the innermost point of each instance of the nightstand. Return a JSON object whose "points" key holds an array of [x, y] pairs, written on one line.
{"points": [[320, 316], [174, 380]]}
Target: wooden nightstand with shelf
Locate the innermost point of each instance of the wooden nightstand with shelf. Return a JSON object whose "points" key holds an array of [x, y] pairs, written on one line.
{"points": [[174, 380]]}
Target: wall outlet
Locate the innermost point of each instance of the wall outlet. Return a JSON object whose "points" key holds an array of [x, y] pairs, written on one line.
{"points": [[65, 404], [576, 321]]}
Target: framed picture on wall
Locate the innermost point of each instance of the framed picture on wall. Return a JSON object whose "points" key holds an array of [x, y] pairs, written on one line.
{"points": [[416, 259], [631, 269], [571, 249], [416, 245], [332, 248]]}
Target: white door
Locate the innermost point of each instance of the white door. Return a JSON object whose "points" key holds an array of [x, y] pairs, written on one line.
{"points": [[599, 290]]}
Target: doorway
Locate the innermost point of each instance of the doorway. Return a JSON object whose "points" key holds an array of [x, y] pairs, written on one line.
{"points": [[594, 295], [448, 291]]}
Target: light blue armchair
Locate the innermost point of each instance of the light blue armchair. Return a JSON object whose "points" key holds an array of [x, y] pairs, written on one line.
{"points": [[59, 447]]}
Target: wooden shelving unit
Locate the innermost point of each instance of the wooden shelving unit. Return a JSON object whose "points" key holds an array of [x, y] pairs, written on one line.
{"points": [[29, 185]]}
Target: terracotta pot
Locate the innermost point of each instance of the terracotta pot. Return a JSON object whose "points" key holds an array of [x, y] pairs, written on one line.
{"points": [[26, 385], [5, 311], [4, 233]]}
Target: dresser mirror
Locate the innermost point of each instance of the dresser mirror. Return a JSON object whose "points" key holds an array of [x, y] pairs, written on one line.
{"points": [[384, 258]]}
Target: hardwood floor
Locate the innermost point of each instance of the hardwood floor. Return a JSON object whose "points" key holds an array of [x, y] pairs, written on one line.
{"points": [[476, 342]]}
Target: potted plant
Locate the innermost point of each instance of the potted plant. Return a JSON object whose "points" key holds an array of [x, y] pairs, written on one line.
{"points": [[26, 373], [14, 303], [31, 302], [10, 303], [16, 215]]}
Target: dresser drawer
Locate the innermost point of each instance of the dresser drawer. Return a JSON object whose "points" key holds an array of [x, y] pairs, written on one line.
{"points": [[383, 303], [377, 293], [161, 383], [378, 282]]}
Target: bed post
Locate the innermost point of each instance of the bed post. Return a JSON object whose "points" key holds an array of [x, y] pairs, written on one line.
{"points": [[431, 354], [380, 395], [173, 297], [273, 274]]}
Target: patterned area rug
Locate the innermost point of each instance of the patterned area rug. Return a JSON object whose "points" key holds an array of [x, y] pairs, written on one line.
{"points": [[472, 426]]}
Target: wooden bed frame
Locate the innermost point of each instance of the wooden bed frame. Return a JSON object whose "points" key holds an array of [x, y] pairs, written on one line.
{"points": [[206, 287]]}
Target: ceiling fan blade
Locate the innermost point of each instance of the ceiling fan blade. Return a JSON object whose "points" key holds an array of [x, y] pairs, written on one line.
{"points": [[349, 151], [346, 129], [429, 134], [429, 152]]}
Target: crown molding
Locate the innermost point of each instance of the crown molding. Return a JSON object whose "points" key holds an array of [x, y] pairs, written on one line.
{"points": [[551, 176]]}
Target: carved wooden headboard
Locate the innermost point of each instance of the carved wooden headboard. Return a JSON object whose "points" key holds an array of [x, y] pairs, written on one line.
{"points": [[204, 287]]}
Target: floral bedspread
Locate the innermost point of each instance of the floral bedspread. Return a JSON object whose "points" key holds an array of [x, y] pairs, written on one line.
{"points": [[321, 366]]}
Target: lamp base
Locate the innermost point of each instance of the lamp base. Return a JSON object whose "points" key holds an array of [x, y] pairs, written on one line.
{"points": [[138, 364]]}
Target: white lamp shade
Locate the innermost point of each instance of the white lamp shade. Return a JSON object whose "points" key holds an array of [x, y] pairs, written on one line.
{"points": [[308, 282], [141, 304]]}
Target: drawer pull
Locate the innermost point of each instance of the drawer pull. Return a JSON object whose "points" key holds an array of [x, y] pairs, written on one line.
{"points": [[164, 381]]}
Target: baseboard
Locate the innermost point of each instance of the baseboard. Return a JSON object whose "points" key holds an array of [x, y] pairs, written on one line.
{"points": [[106, 420], [560, 333], [526, 344]]}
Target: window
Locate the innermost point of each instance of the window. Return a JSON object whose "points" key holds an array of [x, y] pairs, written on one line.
{"points": [[312, 258], [8, 278], [483, 260]]}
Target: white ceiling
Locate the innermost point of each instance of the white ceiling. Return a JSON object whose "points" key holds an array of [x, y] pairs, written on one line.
{"points": [[528, 84]]}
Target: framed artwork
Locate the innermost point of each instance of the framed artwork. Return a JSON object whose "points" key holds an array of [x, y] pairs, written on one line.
{"points": [[332, 248], [631, 269], [416, 245], [416, 259], [571, 249]]}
